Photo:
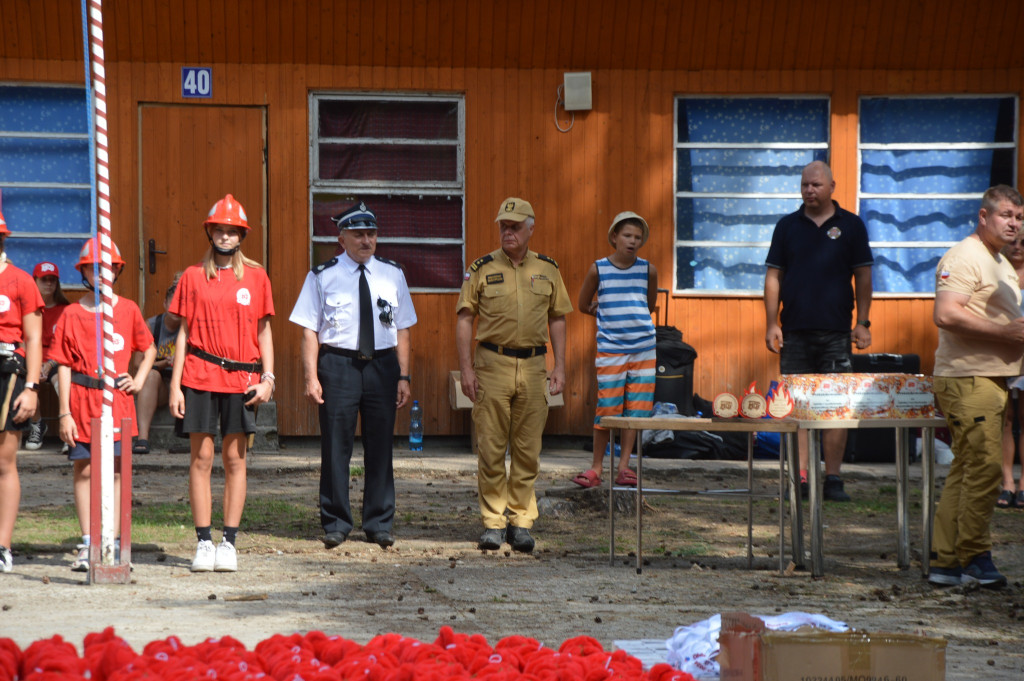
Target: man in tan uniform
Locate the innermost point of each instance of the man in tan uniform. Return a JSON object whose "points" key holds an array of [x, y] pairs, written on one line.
{"points": [[518, 296]]}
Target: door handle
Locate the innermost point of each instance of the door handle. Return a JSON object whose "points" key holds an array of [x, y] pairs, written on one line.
{"points": [[152, 255]]}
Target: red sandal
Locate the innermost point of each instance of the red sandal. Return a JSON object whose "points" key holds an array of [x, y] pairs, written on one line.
{"points": [[587, 479], [626, 478]]}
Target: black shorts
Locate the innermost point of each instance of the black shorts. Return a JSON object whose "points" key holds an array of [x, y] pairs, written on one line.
{"points": [[815, 352], [13, 383], [205, 411], [82, 451]]}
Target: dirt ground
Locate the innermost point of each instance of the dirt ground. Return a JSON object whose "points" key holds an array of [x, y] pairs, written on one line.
{"points": [[695, 546]]}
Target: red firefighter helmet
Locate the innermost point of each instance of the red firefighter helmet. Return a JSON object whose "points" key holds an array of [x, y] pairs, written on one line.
{"points": [[3, 225], [90, 255], [227, 211]]}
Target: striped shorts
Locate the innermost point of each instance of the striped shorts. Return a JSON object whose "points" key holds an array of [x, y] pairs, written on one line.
{"points": [[625, 384]]}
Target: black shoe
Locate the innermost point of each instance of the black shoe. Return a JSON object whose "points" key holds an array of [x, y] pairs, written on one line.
{"points": [[382, 538], [805, 489], [520, 539], [491, 539], [833, 489], [332, 539]]}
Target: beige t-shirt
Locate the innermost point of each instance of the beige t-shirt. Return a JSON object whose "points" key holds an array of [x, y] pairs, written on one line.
{"points": [[991, 283]]}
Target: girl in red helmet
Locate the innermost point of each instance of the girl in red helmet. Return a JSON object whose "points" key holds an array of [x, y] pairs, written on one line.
{"points": [[21, 330], [80, 392], [223, 369], [47, 276]]}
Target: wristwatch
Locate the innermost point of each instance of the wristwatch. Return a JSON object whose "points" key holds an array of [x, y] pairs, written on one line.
{"points": [[407, 379], [30, 385], [866, 323]]}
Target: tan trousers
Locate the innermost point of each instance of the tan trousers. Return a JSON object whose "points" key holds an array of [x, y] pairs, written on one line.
{"points": [[509, 415], [974, 407]]}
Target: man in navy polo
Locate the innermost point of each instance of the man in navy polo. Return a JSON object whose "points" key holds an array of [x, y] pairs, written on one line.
{"points": [[815, 253]]}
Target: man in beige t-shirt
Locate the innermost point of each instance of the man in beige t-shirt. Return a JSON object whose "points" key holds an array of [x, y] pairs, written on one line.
{"points": [[981, 343]]}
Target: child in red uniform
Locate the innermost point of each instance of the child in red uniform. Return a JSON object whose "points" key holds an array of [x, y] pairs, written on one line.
{"points": [[47, 277], [81, 388], [21, 330], [223, 369]]}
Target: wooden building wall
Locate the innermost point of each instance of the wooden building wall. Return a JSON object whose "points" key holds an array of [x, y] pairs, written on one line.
{"points": [[617, 156]]}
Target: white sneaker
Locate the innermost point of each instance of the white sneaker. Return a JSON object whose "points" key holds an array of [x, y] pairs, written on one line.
{"points": [[226, 559], [6, 562], [204, 560], [81, 562]]}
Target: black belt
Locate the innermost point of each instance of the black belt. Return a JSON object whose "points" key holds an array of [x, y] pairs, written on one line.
{"points": [[354, 354], [229, 364], [86, 380], [519, 353]]}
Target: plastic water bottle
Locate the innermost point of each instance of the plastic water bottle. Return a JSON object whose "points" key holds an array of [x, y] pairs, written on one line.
{"points": [[416, 426]]}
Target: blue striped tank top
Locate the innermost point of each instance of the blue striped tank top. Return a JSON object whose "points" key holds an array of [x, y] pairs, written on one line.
{"points": [[624, 323]]}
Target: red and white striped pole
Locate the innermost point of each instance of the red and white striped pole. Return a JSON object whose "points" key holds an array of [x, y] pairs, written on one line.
{"points": [[108, 373]]}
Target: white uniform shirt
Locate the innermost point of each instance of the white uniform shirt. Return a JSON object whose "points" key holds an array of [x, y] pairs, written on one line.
{"points": [[329, 302]]}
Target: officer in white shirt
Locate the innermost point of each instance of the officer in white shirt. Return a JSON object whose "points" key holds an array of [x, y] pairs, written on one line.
{"points": [[355, 312]]}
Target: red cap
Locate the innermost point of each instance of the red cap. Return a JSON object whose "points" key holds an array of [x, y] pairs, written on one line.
{"points": [[46, 269]]}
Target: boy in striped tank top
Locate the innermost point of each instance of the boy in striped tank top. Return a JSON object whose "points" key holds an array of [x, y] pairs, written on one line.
{"points": [[626, 287]]}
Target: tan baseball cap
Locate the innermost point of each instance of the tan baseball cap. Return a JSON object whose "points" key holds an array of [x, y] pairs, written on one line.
{"points": [[629, 215], [515, 210]]}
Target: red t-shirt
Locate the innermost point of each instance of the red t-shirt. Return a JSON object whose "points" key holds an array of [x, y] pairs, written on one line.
{"points": [[50, 317], [74, 345], [223, 317], [19, 296]]}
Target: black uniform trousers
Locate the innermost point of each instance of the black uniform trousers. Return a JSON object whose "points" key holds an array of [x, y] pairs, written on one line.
{"points": [[368, 388]]}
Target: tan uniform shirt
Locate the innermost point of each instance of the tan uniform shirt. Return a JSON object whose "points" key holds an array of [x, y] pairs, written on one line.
{"points": [[513, 304], [991, 283]]}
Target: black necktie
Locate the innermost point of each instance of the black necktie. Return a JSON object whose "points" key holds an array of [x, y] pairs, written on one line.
{"points": [[365, 315]]}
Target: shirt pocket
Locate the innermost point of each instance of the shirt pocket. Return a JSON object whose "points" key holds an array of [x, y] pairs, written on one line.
{"points": [[340, 307], [541, 287]]}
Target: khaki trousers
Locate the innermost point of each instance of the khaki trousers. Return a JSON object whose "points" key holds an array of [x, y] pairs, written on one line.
{"points": [[509, 415], [974, 407]]}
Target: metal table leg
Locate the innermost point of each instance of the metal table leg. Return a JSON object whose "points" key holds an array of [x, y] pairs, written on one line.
{"points": [[928, 495], [611, 497], [813, 480], [902, 509], [750, 500], [639, 505], [796, 502]]}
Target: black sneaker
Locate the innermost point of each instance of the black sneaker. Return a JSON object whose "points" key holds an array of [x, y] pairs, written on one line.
{"points": [[833, 489], [36, 430], [491, 539], [805, 489], [520, 539], [982, 570]]}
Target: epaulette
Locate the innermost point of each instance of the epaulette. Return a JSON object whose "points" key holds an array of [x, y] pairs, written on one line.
{"points": [[324, 265], [390, 262], [548, 259], [480, 262]]}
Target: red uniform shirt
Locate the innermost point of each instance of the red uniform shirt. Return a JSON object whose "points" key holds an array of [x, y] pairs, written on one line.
{"points": [[50, 317], [223, 319], [19, 296], [74, 345]]}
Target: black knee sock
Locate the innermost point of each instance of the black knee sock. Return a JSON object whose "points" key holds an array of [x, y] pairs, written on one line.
{"points": [[229, 534], [203, 533]]}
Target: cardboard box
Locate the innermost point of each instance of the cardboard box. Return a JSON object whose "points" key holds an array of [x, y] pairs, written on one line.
{"points": [[458, 399], [819, 397], [749, 652]]}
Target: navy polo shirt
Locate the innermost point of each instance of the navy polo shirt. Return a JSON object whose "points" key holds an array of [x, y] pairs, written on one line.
{"points": [[817, 269]]}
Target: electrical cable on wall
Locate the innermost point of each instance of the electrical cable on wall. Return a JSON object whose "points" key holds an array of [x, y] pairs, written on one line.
{"points": [[560, 100]]}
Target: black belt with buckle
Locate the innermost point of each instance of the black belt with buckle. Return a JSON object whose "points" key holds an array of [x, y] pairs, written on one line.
{"points": [[519, 353], [86, 381], [355, 354], [228, 364]]}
